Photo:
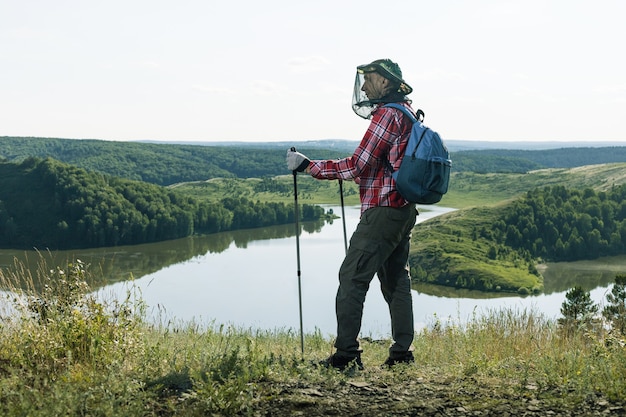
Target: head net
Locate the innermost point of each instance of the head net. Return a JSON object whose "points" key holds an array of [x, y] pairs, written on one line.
{"points": [[363, 105]]}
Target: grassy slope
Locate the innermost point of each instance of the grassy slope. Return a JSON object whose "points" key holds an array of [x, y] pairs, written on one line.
{"points": [[447, 251], [466, 189], [88, 358], [310, 191], [471, 189]]}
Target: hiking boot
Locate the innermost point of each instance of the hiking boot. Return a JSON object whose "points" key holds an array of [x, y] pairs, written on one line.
{"points": [[405, 358], [342, 362]]}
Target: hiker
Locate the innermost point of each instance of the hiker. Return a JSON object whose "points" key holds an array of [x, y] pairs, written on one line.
{"points": [[380, 243]]}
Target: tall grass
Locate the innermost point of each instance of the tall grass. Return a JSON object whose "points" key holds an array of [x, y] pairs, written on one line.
{"points": [[62, 352]]}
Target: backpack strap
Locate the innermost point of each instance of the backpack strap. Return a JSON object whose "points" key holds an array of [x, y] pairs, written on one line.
{"points": [[419, 117], [403, 109]]}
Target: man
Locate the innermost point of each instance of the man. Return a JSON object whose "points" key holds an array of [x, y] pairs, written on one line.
{"points": [[380, 243]]}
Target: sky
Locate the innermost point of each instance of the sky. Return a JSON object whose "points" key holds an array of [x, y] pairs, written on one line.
{"points": [[270, 70]]}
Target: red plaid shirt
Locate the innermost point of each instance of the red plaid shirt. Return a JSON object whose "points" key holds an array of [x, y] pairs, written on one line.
{"points": [[386, 139]]}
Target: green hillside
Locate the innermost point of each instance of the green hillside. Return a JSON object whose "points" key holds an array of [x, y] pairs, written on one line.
{"points": [[449, 250], [469, 248], [467, 189], [162, 164], [545, 158], [475, 189], [167, 164]]}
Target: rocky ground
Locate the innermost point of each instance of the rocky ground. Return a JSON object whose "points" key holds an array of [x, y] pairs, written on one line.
{"points": [[428, 397]]}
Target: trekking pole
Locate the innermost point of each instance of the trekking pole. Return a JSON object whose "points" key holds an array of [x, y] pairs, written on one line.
{"points": [[297, 215], [343, 217]]}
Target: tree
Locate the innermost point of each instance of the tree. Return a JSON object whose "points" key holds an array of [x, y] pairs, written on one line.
{"points": [[615, 311], [578, 310]]}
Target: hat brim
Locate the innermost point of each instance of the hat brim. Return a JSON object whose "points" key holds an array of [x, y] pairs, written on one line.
{"points": [[404, 88]]}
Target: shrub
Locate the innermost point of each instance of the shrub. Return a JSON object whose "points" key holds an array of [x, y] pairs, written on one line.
{"points": [[58, 323]]}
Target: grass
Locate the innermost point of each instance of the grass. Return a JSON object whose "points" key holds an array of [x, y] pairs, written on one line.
{"points": [[64, 353]]}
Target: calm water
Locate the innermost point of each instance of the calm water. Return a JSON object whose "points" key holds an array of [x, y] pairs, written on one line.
{"points": [[249, 279]]}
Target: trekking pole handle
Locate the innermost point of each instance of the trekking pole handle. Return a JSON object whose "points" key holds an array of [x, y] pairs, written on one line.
{"points": [[293, 149]]}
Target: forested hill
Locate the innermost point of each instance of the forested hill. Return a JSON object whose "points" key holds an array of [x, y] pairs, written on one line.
{"points": [[45, 203], [495, 160], [167, 164], [162, 164]]}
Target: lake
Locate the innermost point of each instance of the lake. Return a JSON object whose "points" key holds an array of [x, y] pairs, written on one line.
{"points": [[248, 279]]}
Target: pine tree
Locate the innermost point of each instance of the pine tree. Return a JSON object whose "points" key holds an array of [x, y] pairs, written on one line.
{"points": [[615, 311], [578, 309]]}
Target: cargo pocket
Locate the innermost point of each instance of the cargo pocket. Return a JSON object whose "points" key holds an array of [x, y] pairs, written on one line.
{"points": [[366, 254]]}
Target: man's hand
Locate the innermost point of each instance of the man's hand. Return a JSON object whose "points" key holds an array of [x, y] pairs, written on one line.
{"points": [[296, 161]]}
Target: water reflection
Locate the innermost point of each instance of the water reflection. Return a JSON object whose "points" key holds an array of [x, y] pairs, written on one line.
{"points": [[562, 276], [557, 277], [125, 262], [121, 263], [455, 293]]}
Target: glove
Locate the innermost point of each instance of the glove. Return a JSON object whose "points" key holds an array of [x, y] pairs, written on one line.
{"points": [[296, 161]]}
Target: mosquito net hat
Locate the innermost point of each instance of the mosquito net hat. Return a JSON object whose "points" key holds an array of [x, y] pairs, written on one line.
{"points": [[363, 105]]}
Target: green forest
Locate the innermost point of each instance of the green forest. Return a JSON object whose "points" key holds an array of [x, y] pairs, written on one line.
{"points": [[162, 164], [167, 164], [45, 203], [560, 224]]}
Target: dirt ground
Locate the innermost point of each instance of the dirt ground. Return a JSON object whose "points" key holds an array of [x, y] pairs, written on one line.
{"points": [[434, 397]]}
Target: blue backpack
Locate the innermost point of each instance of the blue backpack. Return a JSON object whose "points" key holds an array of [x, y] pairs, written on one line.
{"points": [[424, 172]]}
